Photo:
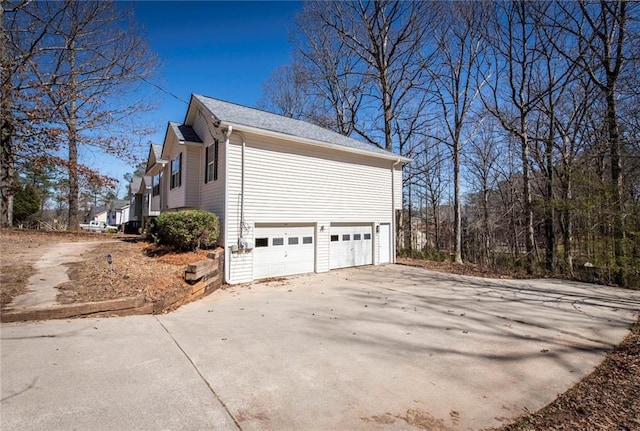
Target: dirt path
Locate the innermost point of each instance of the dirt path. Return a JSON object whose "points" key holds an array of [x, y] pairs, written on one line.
{"points": [[51, 271]]}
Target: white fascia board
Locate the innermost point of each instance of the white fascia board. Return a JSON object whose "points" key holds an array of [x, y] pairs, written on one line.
{"points": [[159, 164], [322, 144]]}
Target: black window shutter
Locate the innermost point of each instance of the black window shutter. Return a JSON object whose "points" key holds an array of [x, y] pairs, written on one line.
{"points": [[215, 160], [206, 165]]}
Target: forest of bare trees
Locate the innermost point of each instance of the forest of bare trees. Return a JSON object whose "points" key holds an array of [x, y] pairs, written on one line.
{"points": [[522, 119]]}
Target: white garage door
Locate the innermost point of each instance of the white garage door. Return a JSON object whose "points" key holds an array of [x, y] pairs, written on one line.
{"points": [[350, 246], [283, 250]]}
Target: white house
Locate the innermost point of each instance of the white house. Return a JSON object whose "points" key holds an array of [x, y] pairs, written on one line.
{"points": [[118, 212], [291, 197]]}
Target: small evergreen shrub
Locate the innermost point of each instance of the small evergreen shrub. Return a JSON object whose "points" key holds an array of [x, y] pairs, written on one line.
{"points": [[188, 230], [151, 229]]}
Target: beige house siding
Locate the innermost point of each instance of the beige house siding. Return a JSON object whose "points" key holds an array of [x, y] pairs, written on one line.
{"points": [[192, 174], [288, 183], [212, 193]]}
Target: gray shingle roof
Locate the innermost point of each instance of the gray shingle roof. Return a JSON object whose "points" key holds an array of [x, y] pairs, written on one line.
{"points": [[136, 183], [242, 115], [157, 150], [184, 132], [118, 204]]}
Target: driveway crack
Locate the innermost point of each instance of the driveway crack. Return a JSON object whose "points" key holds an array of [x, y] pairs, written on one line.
{"points": [[195, 367]]}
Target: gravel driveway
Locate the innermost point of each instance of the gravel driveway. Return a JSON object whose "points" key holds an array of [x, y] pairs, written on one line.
{"points": [[388, 347]]}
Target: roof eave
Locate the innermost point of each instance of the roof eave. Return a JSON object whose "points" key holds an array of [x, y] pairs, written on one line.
{"points": [[322, 144]]}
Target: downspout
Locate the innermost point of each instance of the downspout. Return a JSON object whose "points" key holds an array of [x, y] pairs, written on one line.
{"points": [[227, 247], [393, 211], [226, 236], [229, 132]]}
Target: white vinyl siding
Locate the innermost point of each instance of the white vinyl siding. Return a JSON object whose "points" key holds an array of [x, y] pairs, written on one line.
{"points": [[288, 183], [189, 193], [397, 180], [212, 192], [192, 175]]}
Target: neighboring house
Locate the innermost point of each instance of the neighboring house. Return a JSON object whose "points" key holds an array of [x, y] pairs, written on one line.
{"points": [[117, 212], [98, 213], [136, 191], [291, 197]]}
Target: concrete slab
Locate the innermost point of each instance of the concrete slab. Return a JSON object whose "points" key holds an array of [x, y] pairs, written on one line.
{"points": [[396, 347], [101, 374], [383, 348]]}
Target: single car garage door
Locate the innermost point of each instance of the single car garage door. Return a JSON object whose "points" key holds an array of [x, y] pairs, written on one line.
{"points": [[350, 246], [283, 250]]}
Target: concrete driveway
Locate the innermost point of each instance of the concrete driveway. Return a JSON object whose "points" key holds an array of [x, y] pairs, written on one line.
{"points": [[386, 348]]}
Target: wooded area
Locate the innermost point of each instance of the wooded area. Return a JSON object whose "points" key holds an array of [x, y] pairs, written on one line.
{"points": [[523, 120]]}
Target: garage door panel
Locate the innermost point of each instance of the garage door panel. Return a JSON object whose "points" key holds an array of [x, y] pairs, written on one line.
{"points": [[283, 250], [350, 246]]}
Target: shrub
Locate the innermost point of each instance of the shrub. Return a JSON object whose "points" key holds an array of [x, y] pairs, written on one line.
{"points": [[151, 229], [188, 230]]}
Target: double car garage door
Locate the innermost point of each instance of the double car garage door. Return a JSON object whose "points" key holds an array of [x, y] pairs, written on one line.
{"points": [[287, 250]]}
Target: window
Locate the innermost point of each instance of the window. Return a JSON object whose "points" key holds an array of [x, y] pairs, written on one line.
{"points": [[367, 236], [155, 181], [307, 240], [278, 241], [346, 237], [176, 171], [211, 162], [334, 237], [293, 240], [356, 237], [262, 242]]}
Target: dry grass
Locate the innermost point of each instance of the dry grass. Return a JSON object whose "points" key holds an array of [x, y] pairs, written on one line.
{"points": [[20, 249], [139, 269], [460, 269]]}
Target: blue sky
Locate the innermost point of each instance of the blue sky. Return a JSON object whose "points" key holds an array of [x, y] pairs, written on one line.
{"points": [[224, 50]]}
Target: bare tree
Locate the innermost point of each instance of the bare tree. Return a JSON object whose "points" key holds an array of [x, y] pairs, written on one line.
{"points": [[284, 92], [91, 63], [457, 84], [383, 39], [481, 159], [22, 37], [513, 95], [605, 50], [329, 70]]}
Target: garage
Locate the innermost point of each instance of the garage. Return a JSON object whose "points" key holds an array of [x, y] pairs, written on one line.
{"points": [[350, 245], [283, 250]]}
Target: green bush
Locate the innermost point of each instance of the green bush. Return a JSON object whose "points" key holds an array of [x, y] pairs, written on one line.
{"points": [[151, 229], [188, 230]]}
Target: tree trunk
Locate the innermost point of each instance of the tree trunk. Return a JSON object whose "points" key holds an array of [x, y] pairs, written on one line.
{"points": [[549, 227], [74, 221], [457, 223], [7, 156], [528, 207], [616, 176], [485, 225]]}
